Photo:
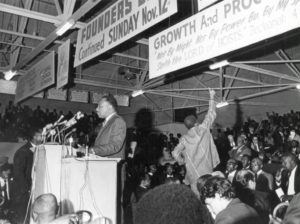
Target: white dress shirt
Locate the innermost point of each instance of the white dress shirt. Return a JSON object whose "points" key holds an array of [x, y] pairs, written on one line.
{"points": [[291, 187]]}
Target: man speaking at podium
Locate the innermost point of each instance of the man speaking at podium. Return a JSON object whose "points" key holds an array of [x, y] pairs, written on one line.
{"points": [[110, 141]]}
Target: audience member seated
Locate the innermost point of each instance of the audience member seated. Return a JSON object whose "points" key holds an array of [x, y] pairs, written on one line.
{"points": [[245, 190], [256, 145], [6, 182], [289, 181], [231, 170], [246, 162], [292, 215], [167, 204], [44, 209], [264, 180], [143, 186], [169, 173], [240, 150], [166, 157], [219, 195]]}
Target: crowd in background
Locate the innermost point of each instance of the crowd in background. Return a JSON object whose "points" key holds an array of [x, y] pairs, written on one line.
{"points": [[246, 151]]}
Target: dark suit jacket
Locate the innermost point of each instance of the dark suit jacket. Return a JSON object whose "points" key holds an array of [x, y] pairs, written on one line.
{"points": [[22, 167], [260, 201], [285, 180], [238, 213], [262, 182], [110, 140]]}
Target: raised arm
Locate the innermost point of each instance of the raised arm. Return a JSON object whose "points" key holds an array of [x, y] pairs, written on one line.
{"points": [[211, 113]]}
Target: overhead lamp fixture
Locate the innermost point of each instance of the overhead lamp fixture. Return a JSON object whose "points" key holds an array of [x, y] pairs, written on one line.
{"points": [[8, 75], [298, 86], [137, 93], [222, 104], [218, 64], [66, 26]]}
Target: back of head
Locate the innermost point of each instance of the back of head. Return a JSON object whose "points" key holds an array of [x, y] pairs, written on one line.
{"points": [[169, 204], [217, 185], [244, 176], [44, 208], [190, 121]]}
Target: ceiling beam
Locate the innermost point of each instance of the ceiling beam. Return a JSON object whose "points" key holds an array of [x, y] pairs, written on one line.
{"points": [[267, 62], [131, 57], [265, 72], [236, 78], [20, 27], [235, 73], [177, 95], [103, 84], [52, 36], [20, 45], [29, 13], [56, 20], [283, 56], [263, 93], [57, 6], [27, 35]]}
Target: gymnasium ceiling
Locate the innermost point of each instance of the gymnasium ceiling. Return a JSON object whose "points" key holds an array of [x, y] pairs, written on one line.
{"points": [[27, 33]]}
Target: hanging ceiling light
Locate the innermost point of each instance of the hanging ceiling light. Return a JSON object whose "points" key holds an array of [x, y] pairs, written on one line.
{"points": [[66, 26], [137, 93], [218, 64], [8, 75], [222, 104]]}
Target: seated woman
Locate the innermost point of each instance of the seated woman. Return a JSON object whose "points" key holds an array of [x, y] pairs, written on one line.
{"points": [[166, 157], [245, 190]]}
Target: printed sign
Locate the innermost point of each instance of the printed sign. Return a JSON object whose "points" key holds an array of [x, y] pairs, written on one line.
{"points": [[79, 96], [221, 28], [122, 100], [96, 97], [63, 64], [39, 77], [118, 23], [57, 94]]}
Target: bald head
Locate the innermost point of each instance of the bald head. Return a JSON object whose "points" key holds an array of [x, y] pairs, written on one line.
{"points": [[190, 121], [44, 208]]}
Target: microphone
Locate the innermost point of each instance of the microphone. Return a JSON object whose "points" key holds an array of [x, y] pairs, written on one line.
{"points": [[74, 119], [59, 120], [50, 126], [68, 134]]}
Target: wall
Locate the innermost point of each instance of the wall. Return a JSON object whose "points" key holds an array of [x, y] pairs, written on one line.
{"points": [[280, 103]]}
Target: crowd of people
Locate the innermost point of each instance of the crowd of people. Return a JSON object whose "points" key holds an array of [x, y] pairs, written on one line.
{"points": [[252, 167], [16, 120]]}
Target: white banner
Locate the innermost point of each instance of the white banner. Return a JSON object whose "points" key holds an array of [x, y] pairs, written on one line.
{"points": [[63, 64], [79, 96], [39, 77], [121, 21], [222, 28]]}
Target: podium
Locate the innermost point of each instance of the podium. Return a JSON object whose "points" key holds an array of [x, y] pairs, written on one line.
{"points": [[78, 183]]}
